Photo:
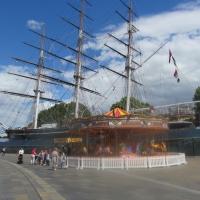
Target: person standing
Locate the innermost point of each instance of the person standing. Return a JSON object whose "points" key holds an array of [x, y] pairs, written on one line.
{"points": [[41, 156], [55, 158], [48, 159], [3, 151], [50, 153], [21, 152], [33, 152], [20, 156], [45, 157]]}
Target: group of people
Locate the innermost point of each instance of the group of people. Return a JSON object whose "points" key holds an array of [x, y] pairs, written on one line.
{"points": [[45, 157]]}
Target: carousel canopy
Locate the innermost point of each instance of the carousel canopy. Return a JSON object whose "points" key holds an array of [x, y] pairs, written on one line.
{"points": [[117, 112]]}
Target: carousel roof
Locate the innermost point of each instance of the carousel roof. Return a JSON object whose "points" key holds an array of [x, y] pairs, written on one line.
{"points": [[117, 112]]}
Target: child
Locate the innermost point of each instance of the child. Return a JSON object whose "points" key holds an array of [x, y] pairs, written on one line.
{"points": [[63, 160], [48, 159]]}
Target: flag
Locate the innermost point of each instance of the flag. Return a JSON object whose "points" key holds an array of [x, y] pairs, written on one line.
{"points": [[170, 55], [174, 61], [176, 74]]}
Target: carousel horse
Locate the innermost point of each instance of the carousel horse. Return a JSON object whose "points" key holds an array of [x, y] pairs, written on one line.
{"points": [[125, 152], [159, 146], [103, 150]]}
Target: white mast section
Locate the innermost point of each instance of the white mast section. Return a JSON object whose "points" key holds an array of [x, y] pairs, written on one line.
{"points": [[38, 86], [128, 66], [77, 76]]}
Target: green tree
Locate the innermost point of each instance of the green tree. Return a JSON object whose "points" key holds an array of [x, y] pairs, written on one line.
{"points": [[61, 114], [134, 103], [197, 98]]}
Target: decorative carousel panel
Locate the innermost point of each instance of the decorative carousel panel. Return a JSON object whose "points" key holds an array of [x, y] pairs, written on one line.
{"points": [[135, 124]]}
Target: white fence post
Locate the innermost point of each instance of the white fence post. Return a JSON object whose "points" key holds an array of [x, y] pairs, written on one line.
{"points": [[126, 163], [102, 163], [82, 164]]}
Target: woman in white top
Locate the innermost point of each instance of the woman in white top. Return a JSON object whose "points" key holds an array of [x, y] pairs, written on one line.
{"points": [[21, 152], [20, 156], [55, 158]]}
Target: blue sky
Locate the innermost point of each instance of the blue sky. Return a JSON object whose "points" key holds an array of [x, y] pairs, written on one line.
{"points": [[174, 22], [15, 14]]}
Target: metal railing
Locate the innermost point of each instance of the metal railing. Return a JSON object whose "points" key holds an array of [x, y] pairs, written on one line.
{"points": [[126, 162]]}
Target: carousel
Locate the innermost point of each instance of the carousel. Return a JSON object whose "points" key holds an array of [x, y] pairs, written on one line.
{"points": [[114, 134], [119, 139]]}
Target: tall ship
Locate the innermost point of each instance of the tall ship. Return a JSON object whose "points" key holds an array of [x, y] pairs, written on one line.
{"points": [[79, 76]]}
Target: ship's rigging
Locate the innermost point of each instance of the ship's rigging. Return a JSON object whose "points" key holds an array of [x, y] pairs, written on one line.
{"points": [[128, 74], [78, 64]]}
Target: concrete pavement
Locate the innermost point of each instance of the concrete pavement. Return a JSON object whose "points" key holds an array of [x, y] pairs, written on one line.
{"points": [[41, 182]]}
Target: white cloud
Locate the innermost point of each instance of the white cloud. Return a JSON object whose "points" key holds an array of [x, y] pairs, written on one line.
{"points": [[183, 37], [34, 25], [179, 27]]}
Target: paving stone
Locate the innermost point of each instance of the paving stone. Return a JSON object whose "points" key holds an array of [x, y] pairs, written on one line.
{"points": [[179, 182]]}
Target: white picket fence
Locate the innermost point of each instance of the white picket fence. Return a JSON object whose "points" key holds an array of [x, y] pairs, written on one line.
{"points": [[136, 162], [88, 162], [127, 163], [112, 162], [175, 159], [156, 161], [73, 162]]}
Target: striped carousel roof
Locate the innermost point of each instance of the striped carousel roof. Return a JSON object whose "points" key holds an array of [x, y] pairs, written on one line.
{"points": [[117, 112]]}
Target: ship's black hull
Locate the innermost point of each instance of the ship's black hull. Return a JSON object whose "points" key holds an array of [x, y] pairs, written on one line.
{"points": [[183, 134], [51, 133], [37, 134]]}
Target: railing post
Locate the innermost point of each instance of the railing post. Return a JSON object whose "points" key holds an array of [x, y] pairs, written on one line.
{"points": [[81, 163], [79, 160], [126, 163], [102, 162], [98, 165], [149, 162], [67, 162], [146, 160], [167, 161]]}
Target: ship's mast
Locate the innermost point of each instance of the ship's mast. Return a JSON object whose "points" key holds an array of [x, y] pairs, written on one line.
{"points": [[77, 75], [38, 85], [129, 58], [78, 64], [128, 66]]}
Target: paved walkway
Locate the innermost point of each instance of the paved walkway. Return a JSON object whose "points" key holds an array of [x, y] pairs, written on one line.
{"points": [[19, 183], [26, 182]]}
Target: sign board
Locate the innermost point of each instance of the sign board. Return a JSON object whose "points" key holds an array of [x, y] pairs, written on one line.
{"points": [[66, 140]]}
